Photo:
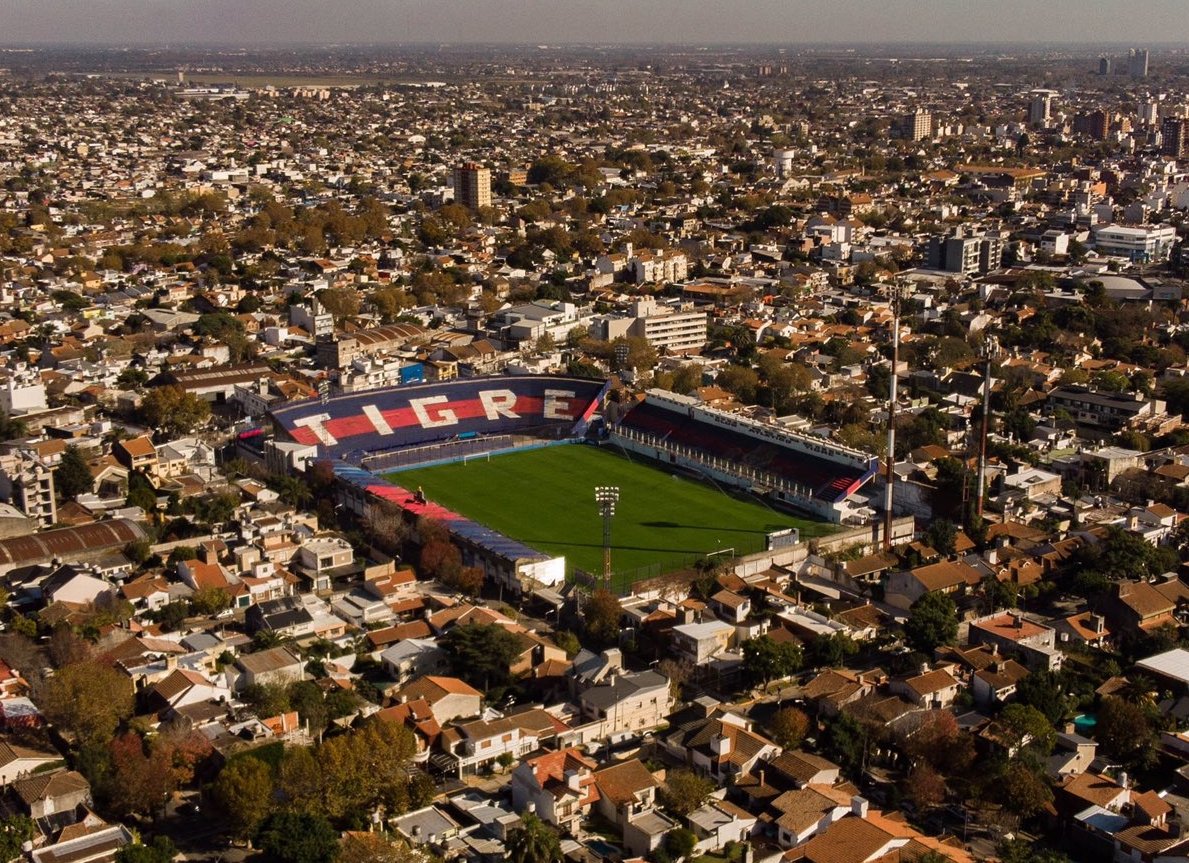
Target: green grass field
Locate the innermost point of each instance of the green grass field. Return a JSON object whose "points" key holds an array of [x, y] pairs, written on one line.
{"points": [[545, 498]]}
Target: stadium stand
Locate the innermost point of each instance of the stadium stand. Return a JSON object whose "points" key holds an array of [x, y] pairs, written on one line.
{"points": [[408, 416], [822, 473], [503, 559]]}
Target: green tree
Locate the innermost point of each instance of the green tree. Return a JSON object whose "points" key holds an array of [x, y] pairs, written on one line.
{"points": [[244, 792], [173, 410], [942, 534], [481, 653], [161, 850], [831, 651], [72, 476], [684, 791], [1028, 731], [14, 833], [1125, 732], [1045, 691], [298, 837], [765, 659], [932, 622], [87, 699], [533, 841], [680, 842]]}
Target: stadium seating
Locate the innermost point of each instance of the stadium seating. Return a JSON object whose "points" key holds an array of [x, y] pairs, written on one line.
{"points": [[829, 480]]}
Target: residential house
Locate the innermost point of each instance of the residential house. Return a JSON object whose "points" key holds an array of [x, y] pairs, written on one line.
{"points": [[448, 697], [559, 785], [275, 665], [701, 642]]}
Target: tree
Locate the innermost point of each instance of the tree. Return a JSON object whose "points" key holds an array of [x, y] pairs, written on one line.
{"points": [[137, 786], [765, 659], [932, 622], [1028, 731], [1045, 691], [680, 842], [88, 700], [162, 850], [1125, 732], [1023, 791], [1021, 851], [360, 847], [533, 842], [831, 651], [942, 535], [14, 833], [209, 600], [925, 787], [244, 793], [481, 653], [298, 837], [788, 727], [440, 559], [601, 612], [173, 410], [72, 476], [684, 791]]}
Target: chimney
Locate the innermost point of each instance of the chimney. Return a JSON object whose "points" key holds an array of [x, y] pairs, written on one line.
{"points": [[924, 668], [573, 780], [1098, 623], [720, 745], [613, 657], [1124, 779], [416, 832], [858, 806]]}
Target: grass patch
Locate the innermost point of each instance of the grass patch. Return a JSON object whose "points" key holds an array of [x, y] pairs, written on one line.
{"points": [[545, 499]]}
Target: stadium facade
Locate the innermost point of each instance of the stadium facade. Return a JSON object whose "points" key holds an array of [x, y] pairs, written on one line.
{"points": [[421, 424]]}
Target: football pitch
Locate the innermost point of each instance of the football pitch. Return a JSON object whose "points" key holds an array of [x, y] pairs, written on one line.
{"points": [[545, 499]]}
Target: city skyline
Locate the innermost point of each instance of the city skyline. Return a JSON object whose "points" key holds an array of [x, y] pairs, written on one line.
{"points": [[567, 22]]}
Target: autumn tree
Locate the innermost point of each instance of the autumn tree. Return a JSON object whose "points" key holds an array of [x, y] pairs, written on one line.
{"points": [[925, 787], [601, 613], [788, 727], [440, 559], [361, 847]]}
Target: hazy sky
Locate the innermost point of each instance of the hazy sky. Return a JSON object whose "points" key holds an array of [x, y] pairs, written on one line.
{"points": [[532, 21]]}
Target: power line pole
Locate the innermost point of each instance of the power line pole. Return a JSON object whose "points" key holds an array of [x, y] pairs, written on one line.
{"points": [[606, 496]]}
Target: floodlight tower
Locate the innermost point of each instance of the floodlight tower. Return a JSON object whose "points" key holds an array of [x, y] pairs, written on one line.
{"points": [[897, 294], [989, 351], [606, 496]]}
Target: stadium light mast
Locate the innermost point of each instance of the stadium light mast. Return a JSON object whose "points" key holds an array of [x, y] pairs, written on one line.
{"points": [[897, 294], [606, 496], [989, 351]]}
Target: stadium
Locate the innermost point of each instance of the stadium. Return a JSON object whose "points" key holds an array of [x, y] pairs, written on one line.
{"points": [[509, 464]]}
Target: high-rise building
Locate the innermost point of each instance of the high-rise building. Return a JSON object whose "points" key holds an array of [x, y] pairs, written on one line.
{"points": [[472, 185], [1174, 137], [1040, 109], [1104, 65], [1149, 110], [916, 126], [1137, 62]]}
